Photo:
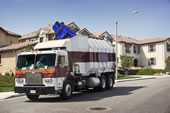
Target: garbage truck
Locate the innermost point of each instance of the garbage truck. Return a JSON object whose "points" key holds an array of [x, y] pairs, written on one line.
{"points": [[61, 67]]}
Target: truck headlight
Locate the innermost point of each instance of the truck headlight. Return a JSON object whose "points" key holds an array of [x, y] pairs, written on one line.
{"points": [[19, 81]]}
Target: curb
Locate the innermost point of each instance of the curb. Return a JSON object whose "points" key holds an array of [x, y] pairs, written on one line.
{"points": [[12, 95], [134, 79], [142, 78], [15, 95]]}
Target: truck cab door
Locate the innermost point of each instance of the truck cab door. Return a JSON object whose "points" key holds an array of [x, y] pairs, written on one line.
{"points": [[63, 69]]}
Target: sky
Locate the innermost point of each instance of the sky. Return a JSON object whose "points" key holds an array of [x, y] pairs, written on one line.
{"points": [[136, 18]]}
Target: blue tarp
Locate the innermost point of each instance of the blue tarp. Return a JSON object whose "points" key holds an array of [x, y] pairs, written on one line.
{"points": [[62, 31]]}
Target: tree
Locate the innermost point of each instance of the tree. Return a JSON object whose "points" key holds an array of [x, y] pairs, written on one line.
{"points": [[167, 64], [126, 61]]}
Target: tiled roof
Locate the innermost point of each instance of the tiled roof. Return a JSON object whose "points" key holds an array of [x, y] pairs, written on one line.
{"points": [[30, 35], [125, 39], [97, 34], [9, 32], [143, 41], [16, 46], [152, 40]]}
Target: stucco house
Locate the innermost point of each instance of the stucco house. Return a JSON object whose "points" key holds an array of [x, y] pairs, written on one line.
{"points": [[7, 37], [148, 53], [8, 55], [45, 33]]}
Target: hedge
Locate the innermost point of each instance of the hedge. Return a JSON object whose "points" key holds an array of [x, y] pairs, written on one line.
{"points": [[6, 82], [149, 71], [146, 71]]}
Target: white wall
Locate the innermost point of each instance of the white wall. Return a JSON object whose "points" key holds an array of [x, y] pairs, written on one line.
{"points": [[160, 54]]}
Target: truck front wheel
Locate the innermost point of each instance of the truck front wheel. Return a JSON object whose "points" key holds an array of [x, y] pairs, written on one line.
{"points": [[67, 90], [32, 97]]}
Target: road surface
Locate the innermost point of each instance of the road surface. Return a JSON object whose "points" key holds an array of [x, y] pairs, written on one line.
{"points": [[140, 96]]}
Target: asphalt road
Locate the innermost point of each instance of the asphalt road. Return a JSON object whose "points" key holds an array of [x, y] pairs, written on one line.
{"points": [[140, 96]]}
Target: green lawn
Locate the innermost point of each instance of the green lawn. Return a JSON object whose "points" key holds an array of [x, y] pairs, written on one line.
{"points": [[120, 77], [6, 83]]}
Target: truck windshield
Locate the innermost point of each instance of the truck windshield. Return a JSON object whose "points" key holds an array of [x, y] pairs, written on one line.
{"points": [[25, 61], [45, 60], [36, 61]]}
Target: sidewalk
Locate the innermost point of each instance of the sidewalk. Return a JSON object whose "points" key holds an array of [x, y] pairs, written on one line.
{"points": [[140, 77], [5, 95]]}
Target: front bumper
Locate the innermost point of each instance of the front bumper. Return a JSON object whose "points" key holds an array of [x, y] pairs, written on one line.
{"points": [[37, 90]]}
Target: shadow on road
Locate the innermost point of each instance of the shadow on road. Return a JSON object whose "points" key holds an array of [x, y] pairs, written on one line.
{"points": [[92, 96]]}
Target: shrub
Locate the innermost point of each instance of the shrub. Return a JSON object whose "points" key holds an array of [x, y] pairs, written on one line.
{"points": [[7, 80], [133, 71], [130, 71], [167, 64], [126, 61]]}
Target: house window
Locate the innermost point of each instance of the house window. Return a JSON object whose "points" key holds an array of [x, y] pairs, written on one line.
{"points": [[168, 47], [41, 39], [152, 48], [50, 36], [152, 61], [128, 48], [134, 49]]}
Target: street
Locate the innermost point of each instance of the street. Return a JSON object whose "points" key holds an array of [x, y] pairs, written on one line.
{"points": [[139, 96]]}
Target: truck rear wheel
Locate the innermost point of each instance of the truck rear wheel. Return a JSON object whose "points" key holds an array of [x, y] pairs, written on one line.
{"points": [[32, 97], [67, 90], [102, 85], [110, 82]]}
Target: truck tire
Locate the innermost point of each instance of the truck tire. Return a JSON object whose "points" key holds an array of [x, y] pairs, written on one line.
{"points": [[109, 82], [32, 97], [102, 85], [67, 90]]}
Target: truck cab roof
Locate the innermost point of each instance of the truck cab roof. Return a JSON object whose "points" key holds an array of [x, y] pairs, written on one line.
{"points": [[43, 52]]}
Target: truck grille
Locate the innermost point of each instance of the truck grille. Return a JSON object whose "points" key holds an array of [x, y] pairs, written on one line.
{"points": [[33, 79]]}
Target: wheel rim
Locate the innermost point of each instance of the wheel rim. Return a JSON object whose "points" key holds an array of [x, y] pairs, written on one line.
{"points": [[103, 83], [68, 90]]}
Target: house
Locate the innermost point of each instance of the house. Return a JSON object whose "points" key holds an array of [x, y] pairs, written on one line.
{"points": [[148, 53], [8, 37], [45, 33], [9, 53]]}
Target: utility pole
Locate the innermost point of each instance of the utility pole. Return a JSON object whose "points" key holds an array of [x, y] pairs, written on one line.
{"points": [[116, 51]]}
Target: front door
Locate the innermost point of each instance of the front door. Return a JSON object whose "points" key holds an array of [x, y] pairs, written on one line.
{"points": [[135, 62]]}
